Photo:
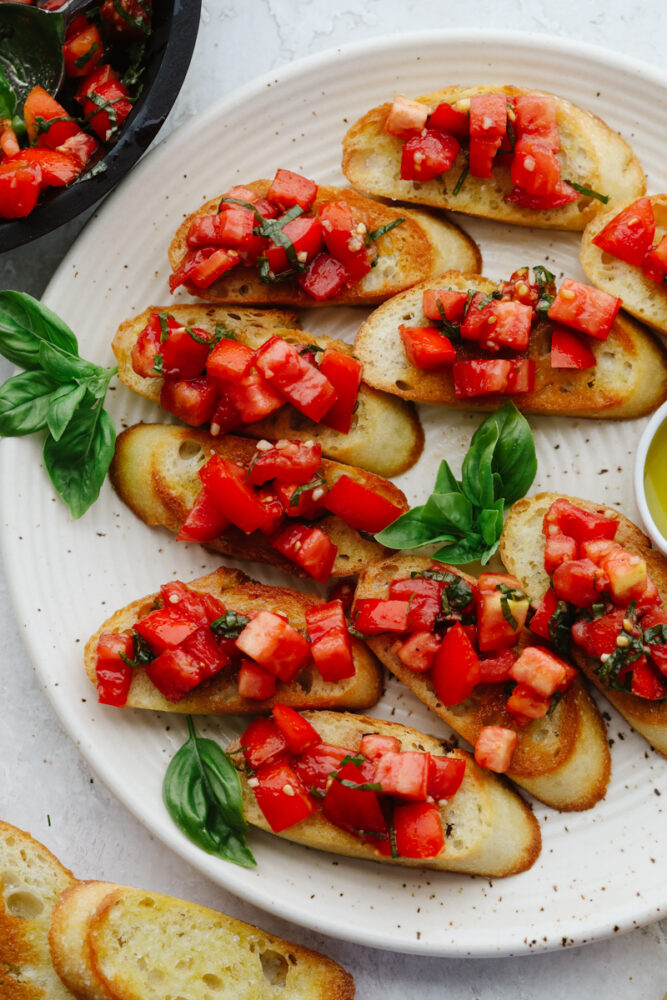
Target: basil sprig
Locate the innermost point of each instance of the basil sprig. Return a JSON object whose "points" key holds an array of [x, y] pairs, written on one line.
{"points": [[588, 192], [202, 793], [58, 392], [467, 515]]}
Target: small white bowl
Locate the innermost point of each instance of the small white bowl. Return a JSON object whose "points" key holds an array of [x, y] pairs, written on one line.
{"points": [[656, 421]]}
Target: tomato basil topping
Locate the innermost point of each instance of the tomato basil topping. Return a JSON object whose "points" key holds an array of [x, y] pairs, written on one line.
{"points": [[283, 236], [602, 598], [459, 634], [478, 134], [630, 237], [485, 338], [210, 377], [190, 637], [379, 792]]}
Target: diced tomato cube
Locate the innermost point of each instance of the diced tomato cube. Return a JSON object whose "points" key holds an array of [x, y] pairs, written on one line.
{"points": [[237, 501], [316, 766], [40, 109], [404, 774], [525, 705], [288, 189], [456, 670], [428, 155], [343, 591], [419, 651], [183, 356], [101, 74], [561, 195], [233, 228], [627, 576], [445, 776], [226, 416], [307, 505], [324, 277], [273, 643], [344, 373], [654, 264], [494, 748], [539, 623], [374, 616], [629, 235], [20, 186], [58, 169], [308, 548], [579, 582], [193, 401], [360, 506], [406, 117], [488, 116], [535, 168], [83, 51], [300, 383], [564, 517], [255, 682], [345, 237], [498, 323], [106, 108], [646, 681], [418, 830], [375, 745], [305, 235], [569, 351], [535, 115], [174, 673], [113, 675], [281, 796], [165, 628], [331, 649], [453, 304], [480, 378], [203, 608], [204, 266], [446, 118], [354, 809], [80, 147], [426, 347], [206, 652], [425, 599], [502, 609], [481, 156], [540, 670], [298, 732], [587, 309], [496, 668], [558, 549], [263, 743], [287, 462], [254, 398]]}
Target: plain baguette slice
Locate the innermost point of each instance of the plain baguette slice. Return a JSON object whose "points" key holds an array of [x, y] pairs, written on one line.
{"points": [[68, 938], [562, 759], [386, 436], [522, 551], [220, 695], [419, 247], [629, 380], [592, 155], [31, 880], [489, 829], [642, 297], [155, 472]]}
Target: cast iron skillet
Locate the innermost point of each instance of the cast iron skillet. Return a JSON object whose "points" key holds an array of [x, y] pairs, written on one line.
{"points": [[168, 55]]}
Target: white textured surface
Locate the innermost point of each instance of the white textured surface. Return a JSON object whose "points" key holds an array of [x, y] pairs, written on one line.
{"points": [[39, 780]]}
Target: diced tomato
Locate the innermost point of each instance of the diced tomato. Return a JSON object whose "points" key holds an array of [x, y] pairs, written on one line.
{"points": [[406, 117], [496, 668], [539, 670], [57, 168], [456, 670], [426, 348], [233, 228], [254, 398], [331, 648], [288, 189], [324, 277], [494, 748], [146, 349], [287, 462], [354, 809], [558, 549], [418, 830], [360, 506], [291, 374], [226, 416], [203, 267], [281, 796], [453, 304], [255, 682], [191, 400], [298, 732], [166, 628], [374, 616], [585, 308], [101, 74], [237, 501], [499, 600], [308, 548], [174, 673], [206, 652], [480, 378], [654, 264], [448, 119], [229, 360], [83, 52], [539, 623], [561, 195], [445, 776], [263, 743], [481, 155], [183, 356], [629, 235], [39, 109], [419, 651], [535, 168], [79, 147], [535, 115], [113, 675], [646, 681], [107, 107], [425, 599], [627, 576], [273, 508], [375, 745], [307, 505], [345, 238], [20, 185], [599, 636], [488, 116], [499, 324], [569, 351], [344, 373], [273, 643], [428, 155], [203, 608], [404, 774], [579, 582], [305, 235], [126, 19], [343, 591], [316, 766], [564, 517], [525, 705]]}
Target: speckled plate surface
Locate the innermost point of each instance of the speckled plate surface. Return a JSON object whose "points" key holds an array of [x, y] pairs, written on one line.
{"points": [[600, 871]]}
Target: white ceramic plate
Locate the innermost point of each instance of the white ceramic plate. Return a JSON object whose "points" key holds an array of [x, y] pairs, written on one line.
{"points": [[600, 871]]}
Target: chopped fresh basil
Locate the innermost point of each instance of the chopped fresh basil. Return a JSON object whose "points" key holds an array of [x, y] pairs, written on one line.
{"points": [[313, 484], [451, 330], [488, 299], [656, 635], [355, 632], [87, 56], [509, 594], [229, 626], [158, 362], [543, 278], [363, 786], [588, 192], [357, 759], [141, 23], [206, 341], [273, 229], [164, 326], [470, 295], [381, 230], [223, 334], [460, 181], [560, 626], [313, 349], [244, 204]]}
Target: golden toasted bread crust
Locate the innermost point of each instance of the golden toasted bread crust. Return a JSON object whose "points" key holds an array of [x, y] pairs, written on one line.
{"points": [[522, 551], [490, 830], [593, 156], [220, 696], [629, 380], [563, 759], [386, 436], [68, 938], [420, 246]]}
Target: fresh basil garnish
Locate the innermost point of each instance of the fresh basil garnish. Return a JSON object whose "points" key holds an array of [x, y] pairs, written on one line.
{"points": [[461, 179], [229, 626], [544, 279], [313, 484], [381, 230], [588, 192], [560, 626]]}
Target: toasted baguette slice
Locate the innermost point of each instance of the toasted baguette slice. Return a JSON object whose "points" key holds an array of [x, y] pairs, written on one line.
{"points": [[112, 942], [522, 551], [642, 297], [31, 880], [419, 247], [562, 759], [154, 471], [386, 436], [629, 380], [220, 696], [592, 155], [489, 829]]}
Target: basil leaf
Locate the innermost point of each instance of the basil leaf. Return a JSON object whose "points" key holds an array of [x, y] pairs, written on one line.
{"points": [[445, 481], [7, 98], [24, 403], [229, 626], [488, 552], [491, 522], [63, 366], [477, 476], [452, 511], [202, 793], [377, 233], [24, 324], [560, 626], [62, 406], [468, 549], [411, 530], [588, 192], [78, 462], [514, 458]]}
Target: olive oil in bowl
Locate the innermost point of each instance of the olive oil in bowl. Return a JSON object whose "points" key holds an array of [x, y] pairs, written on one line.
{"points": [[655, 479]]}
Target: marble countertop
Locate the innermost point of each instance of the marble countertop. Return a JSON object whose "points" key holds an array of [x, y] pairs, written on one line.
{"points": [[46, 786]]}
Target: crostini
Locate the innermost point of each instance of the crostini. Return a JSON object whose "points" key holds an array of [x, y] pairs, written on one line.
{"points": [[468, 342], [597, 582], [624, 252], [458, 643], [380, 791], [204, 365], [281, 504], [502, 152], [225, 644], [291, 242]]}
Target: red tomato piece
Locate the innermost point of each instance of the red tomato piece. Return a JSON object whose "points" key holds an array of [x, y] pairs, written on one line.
{"points": [[480, 378], [291, 374], [298, 732], [174, 673], [404, 774], [406, 117], [445, 776], [106, 108], [202, 267], [263, 743], [498, 324], [579, 582], [226, 416], [535, 115], [481, 155], [345, 238], [316, 766], [206, 652], [305, 235], [183, 356], [426, 348], [424, 597], [281, 796], [627, 576], [20, 185], [255, 682], [308, 548], [237, 501], [428, 155], [540, 670], [488, 116], [453, 304], [191, 400], [146, 349], [535, 168], [308, 505], [331, 648], [558, 549], [360, 506], [254, 398], [373, 616], [272, 642], [126, 19], [569, 351], [229, 360], [496, 668], [101, 74], [418, 830], [564, 517], [584, 308], [343, 591], [83, 52], [165, 628], [525, 705], [456, 670], [79, 147], [446, 118], [58, 169], [202, 608], [344, 373], [40, 109], [539, 623], [561, 195], [646, 681], [113, 675], [654, 264], [419, 651], [374, 745], [324, 278], [273, 508], [498, 599], [629, 235], [354, 809], [288, 189], [494, 748], [287, 462], [233, 228]]}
